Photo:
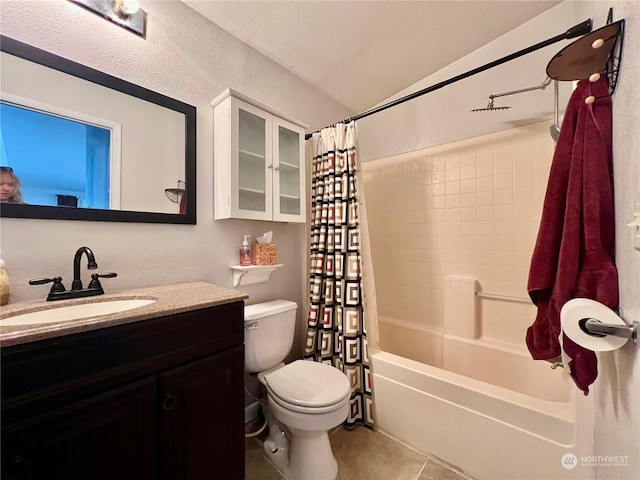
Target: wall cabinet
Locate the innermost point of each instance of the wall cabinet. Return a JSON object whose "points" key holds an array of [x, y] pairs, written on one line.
{"points": [[259, 162], [157, 399]]}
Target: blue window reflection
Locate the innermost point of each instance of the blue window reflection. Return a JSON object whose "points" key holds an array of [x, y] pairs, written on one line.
{"points": [[56, 159]]}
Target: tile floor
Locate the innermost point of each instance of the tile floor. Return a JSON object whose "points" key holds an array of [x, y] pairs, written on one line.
{"points": [[362, 454]]}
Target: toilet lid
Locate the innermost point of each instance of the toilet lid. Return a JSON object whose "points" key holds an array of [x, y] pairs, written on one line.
{"points": [[308, 384]]}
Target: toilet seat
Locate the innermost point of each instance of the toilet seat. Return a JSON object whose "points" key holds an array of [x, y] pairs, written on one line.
{"points": [[308, 387]]}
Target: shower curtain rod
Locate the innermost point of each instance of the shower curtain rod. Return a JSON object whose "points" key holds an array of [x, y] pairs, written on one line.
{"points": [[575, 31]]}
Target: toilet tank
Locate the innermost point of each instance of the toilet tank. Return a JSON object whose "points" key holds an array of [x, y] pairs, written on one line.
{"points": [[268, 334]]}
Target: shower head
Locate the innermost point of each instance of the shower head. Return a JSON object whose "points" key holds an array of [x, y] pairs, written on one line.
{"points": [[489, 107], [554, 130]]}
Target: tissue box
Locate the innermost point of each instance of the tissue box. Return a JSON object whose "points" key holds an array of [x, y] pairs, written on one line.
{"points": [[263, 253]]}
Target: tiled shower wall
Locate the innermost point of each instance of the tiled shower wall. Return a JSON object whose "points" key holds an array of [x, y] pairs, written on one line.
{"points": [[469, 208]]}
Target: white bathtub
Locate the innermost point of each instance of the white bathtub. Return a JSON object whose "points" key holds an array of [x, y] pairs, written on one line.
{"points": [[519, 426]]}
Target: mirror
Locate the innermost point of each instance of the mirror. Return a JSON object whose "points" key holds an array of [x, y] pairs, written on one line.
{"points": [[89, 146]]}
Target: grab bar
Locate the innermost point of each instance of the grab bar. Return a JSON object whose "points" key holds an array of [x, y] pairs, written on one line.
{"points": [[506, 298]]}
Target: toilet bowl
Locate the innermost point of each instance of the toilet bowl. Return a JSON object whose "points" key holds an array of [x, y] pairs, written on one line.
{"points": [[303, 400], [309, 398]]}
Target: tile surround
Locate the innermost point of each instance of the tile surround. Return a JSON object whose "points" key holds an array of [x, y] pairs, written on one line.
{"points": [[470, 208]]}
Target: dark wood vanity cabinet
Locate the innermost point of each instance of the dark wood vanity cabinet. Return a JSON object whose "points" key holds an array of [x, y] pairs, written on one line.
{"points": [[104, 436], [155, 399]]}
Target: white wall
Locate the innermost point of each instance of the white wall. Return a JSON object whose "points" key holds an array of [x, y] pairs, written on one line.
{"points": [[617, 391], [444, 115], [428, 121], [188, 58]]}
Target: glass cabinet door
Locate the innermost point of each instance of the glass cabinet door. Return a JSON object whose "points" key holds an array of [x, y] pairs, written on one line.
{"points": [[289, 202], [254, 188], [259, 165]]}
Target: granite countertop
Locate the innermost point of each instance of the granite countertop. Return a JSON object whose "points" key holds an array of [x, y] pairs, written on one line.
{"points": [[169, 300]]}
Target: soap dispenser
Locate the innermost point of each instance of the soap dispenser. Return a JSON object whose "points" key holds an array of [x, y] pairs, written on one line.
{"points": [[245, 252], [5, 287]]}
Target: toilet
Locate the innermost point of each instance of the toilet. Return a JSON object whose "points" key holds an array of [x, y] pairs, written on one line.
{"points": [[304, 399]]}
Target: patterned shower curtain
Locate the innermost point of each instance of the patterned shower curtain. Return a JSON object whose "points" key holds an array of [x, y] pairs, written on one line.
{"points": [[336, 332]]}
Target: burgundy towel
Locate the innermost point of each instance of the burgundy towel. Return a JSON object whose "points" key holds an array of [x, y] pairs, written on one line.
{"points": [[183, 203], [573, 255]]}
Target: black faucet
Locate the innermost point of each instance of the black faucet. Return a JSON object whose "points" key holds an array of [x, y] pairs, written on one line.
{"points": [[92, 265], [58, 292]]}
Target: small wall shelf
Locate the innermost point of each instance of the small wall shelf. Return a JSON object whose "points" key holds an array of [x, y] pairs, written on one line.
{"points": [[252, 274]]}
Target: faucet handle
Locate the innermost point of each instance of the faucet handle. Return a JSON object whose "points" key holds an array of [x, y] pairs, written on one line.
{"points": [[57, 286], [95, 283]]}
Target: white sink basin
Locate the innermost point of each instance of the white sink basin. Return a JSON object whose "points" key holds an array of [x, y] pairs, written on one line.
{"points": [[74, 312]]}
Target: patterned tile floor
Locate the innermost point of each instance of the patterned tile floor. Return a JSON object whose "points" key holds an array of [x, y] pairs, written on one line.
{"points": [[362, 454]]}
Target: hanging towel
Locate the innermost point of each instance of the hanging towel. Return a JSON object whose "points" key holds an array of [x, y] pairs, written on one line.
{"points": [[573, 255]]}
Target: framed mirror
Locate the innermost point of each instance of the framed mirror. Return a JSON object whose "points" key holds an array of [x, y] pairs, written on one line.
{"points": [[84, 145]]}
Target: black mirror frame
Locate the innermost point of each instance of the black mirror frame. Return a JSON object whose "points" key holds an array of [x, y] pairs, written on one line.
{"points": [[28, 52]]}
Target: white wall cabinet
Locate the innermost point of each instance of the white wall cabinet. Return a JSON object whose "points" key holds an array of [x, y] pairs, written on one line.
{"points": [[258, 161]]}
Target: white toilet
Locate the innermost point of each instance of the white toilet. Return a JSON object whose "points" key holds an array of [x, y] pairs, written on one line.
{"points": [[304, 399]]}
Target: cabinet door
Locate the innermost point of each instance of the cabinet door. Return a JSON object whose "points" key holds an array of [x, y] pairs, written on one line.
{"points": [[108, 436], [289, 180], [202, 419], [252, 164]]}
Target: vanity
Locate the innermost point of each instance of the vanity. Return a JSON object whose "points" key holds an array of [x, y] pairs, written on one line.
{"points": [[154, 392]]}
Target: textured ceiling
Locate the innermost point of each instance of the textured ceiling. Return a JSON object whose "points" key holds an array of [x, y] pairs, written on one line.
{"points": [[362, 52]]}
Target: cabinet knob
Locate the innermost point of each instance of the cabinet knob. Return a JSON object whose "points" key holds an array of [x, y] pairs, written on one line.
{"points": [[270, 165], [277, 167], [169, 402]]}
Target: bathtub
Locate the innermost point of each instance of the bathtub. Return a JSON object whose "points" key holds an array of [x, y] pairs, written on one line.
{"points": [[486, 409]]}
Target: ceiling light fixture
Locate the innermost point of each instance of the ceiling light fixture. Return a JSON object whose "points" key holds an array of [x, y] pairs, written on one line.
{"points": [[126, 13]]}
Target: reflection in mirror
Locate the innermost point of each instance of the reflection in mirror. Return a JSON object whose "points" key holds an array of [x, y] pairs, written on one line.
{"points": [[88, 146], [70, 163]]}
